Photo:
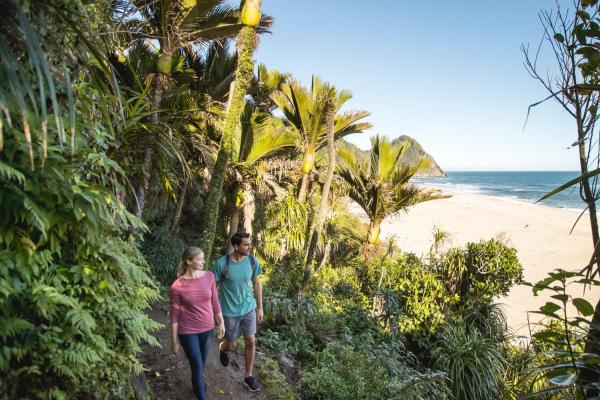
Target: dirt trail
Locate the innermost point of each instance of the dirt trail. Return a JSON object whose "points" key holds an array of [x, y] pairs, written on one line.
{"points": [[169, 376]]}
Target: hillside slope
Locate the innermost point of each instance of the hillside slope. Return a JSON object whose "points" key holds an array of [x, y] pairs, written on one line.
{"points": [[414, 153]]}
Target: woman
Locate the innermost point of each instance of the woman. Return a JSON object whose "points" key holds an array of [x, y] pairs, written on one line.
{"points": [[194, 310]]}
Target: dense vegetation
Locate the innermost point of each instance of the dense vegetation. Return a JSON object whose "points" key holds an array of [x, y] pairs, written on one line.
{"points": [[130, 129], [73, 282]]}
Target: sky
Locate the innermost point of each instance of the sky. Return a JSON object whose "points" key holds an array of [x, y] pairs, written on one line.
{"points": [[448, 73]]}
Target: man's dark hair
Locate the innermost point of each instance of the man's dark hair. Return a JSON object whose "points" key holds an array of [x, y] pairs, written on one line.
{"points": [[237, 237]]}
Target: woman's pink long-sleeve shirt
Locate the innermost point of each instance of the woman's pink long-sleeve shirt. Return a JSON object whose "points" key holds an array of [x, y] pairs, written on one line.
{"points": [[194, 303]]}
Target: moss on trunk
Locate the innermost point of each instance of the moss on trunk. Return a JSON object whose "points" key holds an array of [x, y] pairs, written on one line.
{"points": [[243, 78]]}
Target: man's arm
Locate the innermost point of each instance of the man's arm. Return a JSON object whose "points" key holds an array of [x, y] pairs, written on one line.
{"points": [[258, 295]]}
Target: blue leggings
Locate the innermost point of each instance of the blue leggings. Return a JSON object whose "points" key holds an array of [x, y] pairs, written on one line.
{"points": [[196, 349]]}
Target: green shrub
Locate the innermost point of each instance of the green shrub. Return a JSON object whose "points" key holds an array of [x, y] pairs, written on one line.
{"points": [[282, 278], [566, 341], [344, 372], [474, 364], [520, 375], [275, 381], [73, 285], [336, 288], [285, 226], [414, 298], [284, 330], [341, 373], [347, 234], [489, 319], [481, 272], [72, 292], [163, 253], [279, 344]]}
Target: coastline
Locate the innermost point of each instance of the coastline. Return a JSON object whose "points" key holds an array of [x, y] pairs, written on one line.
{"points": [[540, 234], [453, 190]]}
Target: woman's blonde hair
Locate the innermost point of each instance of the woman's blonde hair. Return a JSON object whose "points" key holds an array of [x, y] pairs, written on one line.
{"points": [[188, 255]]}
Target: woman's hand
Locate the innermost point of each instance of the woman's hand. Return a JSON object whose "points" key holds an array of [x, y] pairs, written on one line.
{"points": [[221, 330], [176, 348]]}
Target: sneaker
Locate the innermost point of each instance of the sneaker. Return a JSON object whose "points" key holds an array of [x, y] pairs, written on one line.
{"points": [[224, 358], [251, 384]]}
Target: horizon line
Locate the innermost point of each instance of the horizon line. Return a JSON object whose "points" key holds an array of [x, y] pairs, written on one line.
{"points": [[511, 170]]}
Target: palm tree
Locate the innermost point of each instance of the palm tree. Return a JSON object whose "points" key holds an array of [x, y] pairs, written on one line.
{"points": [[246, 42], [131, 71], [381, 185], [266, 82], [210, 76], [261, 138], [174, 29], [304, 109], [323, 207]]}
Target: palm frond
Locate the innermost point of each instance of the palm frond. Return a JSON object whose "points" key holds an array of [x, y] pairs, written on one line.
{"points": [[270, 138], [385, 158], [381, 186], [203, 9], [305, 111]]}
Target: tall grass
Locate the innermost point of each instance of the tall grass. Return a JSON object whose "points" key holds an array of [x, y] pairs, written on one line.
{"points": [[474, 363]]}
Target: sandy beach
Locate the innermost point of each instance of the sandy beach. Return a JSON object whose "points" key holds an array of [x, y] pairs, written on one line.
{"points": [[539, 233]]}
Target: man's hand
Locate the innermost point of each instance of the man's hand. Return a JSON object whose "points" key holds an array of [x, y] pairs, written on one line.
{"points": [[259, 315], [176, 348], [221, 330]]}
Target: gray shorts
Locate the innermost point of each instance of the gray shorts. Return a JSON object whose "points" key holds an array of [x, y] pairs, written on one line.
{"points": [[244, 324]]}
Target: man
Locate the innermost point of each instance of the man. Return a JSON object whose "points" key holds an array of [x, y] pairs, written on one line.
{"points": [[240, 291]]}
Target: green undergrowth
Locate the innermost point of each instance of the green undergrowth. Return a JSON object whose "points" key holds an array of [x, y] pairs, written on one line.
{"points": [[397, 326], [275, 381]]}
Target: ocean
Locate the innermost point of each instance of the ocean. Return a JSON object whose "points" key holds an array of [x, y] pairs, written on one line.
{"points": [[527, 186]]}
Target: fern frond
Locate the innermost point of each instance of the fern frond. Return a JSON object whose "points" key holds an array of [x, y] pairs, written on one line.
{"points": [[81, 319], [11, 174], [11, 326], [38, 217]]}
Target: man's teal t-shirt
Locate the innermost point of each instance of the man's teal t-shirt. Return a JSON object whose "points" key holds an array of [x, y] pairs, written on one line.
{"points": [[236, 292]]}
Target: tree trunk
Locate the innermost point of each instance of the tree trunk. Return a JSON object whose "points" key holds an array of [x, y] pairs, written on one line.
{"points": [[234, 223], [282, 250], [324, 205], [592, 342], [249, 211], [148, 153], [243, 77], [588, 195], [374, 230], [143, 186], [303, 188], [377, 300], [180, 202], [326, 254]]}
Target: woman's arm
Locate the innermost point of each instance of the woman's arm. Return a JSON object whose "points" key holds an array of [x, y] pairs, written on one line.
{"points": [[174, 318], [216, 306], [175, 347]]}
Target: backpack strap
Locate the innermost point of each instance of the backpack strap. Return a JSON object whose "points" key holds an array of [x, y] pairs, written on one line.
{"points": [[228, 260], [225, 268], [253, 264]]}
